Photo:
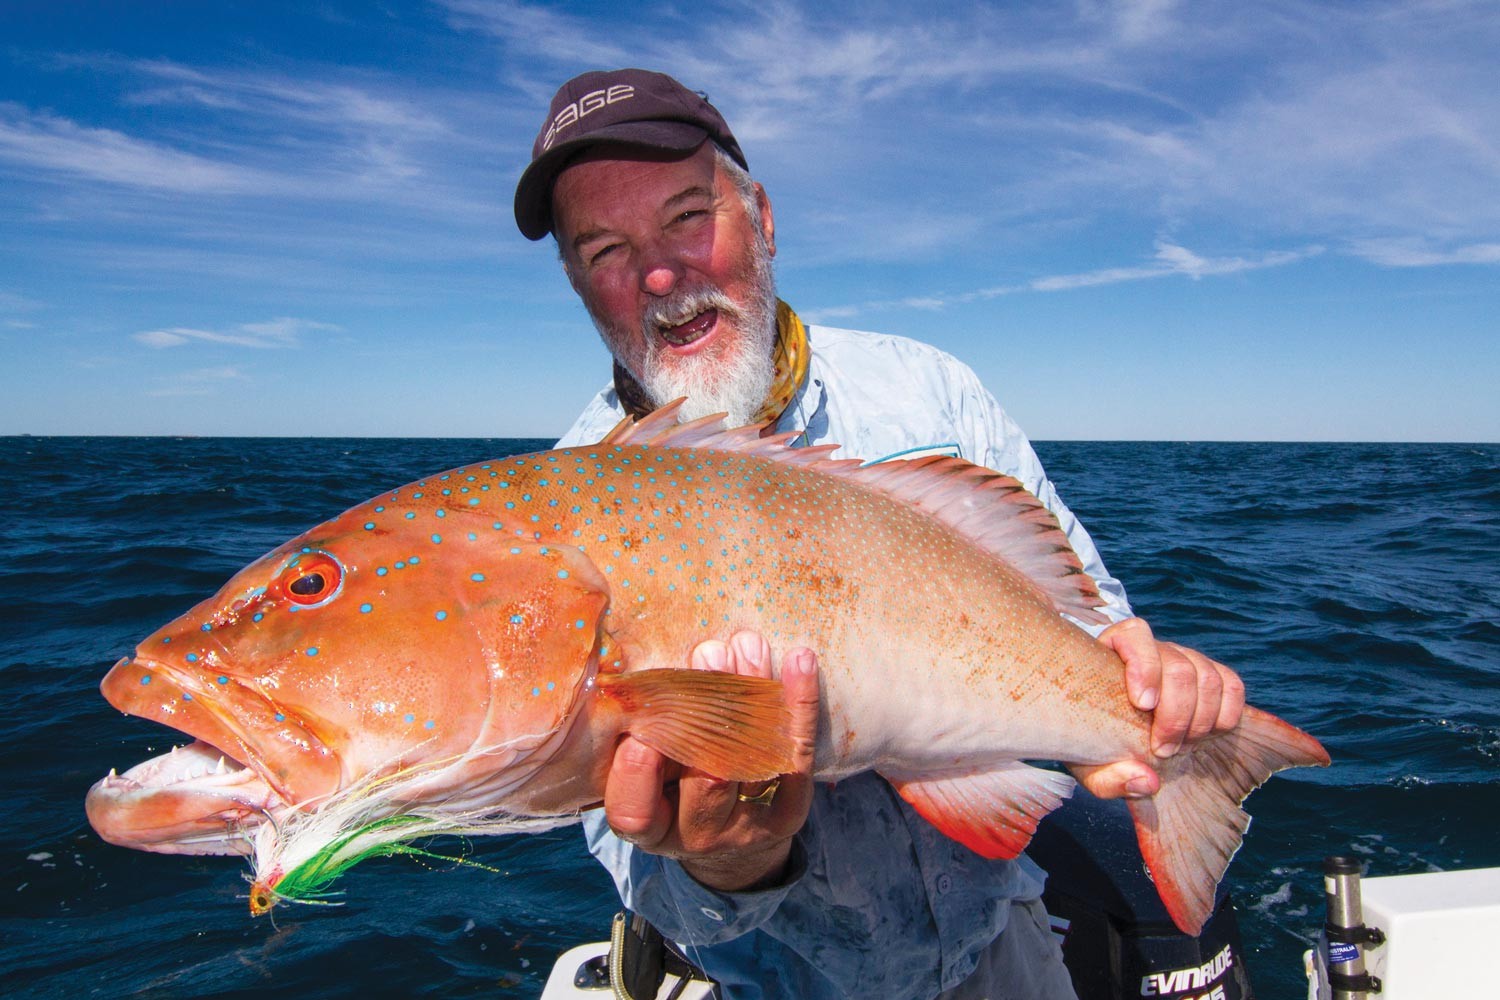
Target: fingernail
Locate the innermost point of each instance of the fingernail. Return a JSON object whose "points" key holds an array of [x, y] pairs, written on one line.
{"points": [[803, 662], [1138, 788], [715, 656], [1167, 749], [1148, 700], [751, 647]]}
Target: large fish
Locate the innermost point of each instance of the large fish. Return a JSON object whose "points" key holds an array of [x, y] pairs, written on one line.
{"points": [[467, 650]]}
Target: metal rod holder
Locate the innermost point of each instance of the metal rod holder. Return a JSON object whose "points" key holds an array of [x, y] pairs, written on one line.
{"points": [[1346, 931]]}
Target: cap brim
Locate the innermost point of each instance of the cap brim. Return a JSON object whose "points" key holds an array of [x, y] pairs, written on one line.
{"points": [[533, 202]]}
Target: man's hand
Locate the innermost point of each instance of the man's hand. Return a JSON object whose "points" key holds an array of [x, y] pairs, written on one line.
{"points": [[705, 823], [1192, 696]]}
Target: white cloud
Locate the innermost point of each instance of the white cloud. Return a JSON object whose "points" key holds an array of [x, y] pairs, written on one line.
{"points": [[1415, 252], [57, 145], [197, 382], [285, 332]]}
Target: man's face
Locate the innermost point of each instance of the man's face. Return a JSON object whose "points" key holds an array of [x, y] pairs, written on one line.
{"points": [[675, 273]]}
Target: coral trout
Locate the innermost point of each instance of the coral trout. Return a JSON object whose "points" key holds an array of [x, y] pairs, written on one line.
{"points": [[462, 654]]}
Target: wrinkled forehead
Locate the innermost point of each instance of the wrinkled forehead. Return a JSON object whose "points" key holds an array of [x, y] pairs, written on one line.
{"points": [[609, 183]]}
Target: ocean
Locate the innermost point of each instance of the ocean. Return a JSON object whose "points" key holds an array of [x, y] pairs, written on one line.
{"points": [[1354, 587]]}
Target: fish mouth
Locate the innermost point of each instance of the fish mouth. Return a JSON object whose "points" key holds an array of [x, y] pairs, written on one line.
{"points": [[249, 758], [190, 800]]}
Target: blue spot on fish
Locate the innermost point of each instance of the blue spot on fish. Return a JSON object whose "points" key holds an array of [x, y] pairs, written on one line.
{"points": [[312, 650], [365, 609], [192, 657], [223, 680], [477, 577], [442, 616], [146, 679], [562, 574]]}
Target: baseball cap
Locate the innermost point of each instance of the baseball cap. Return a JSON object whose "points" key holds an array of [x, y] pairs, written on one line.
{"points": [[628, 107]]}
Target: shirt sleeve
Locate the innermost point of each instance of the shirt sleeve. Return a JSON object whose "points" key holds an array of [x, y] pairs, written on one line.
{"points": [[678, 905], [993, 439]]}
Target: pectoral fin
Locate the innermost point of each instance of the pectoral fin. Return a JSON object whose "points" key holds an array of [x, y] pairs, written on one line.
{"points": [[733, 727], [993, 813]]}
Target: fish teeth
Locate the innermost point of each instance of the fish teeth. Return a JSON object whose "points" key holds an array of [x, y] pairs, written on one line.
{"points": [[220, 768]]}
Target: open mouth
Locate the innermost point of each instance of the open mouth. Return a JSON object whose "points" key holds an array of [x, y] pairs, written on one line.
{"points": [[691, 330], [248, 758], [190, 800]]}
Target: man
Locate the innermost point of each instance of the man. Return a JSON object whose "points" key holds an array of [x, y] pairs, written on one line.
{"points": [[781, 889]]}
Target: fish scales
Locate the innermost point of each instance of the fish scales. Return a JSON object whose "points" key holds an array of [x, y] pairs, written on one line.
{"points": [[467, 650]]}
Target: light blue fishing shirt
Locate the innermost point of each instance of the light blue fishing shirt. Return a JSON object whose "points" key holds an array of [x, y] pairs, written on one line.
{"points": [[877, 902]]}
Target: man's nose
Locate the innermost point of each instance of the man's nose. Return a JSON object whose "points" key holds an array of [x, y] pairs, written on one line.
{"points": [[660, 271]]}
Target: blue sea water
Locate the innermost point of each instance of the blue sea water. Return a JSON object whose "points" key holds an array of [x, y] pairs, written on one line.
{"points": [[1354, 586]]}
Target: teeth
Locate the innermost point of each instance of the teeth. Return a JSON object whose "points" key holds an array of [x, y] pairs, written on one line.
{"points": [[112, 773], [220, 768]]}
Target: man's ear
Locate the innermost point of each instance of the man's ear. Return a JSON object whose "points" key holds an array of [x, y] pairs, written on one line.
{"points": [[767, 220]]}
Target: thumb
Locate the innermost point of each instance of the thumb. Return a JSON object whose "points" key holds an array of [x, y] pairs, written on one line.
{"points": [[1124, 779]]}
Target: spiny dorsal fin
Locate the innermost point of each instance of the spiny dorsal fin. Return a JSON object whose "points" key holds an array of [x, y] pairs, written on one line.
{"points": [[994, 511]]}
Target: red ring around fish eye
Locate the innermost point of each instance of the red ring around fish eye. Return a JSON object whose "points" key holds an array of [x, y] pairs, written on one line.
{"points": [[312, 579]]}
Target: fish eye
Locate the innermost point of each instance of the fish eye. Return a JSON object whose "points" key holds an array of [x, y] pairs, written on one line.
{"points": [[307, 586], [312, 579]]}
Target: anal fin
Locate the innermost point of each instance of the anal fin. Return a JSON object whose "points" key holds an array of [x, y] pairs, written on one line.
{"points": [[992, 813]]}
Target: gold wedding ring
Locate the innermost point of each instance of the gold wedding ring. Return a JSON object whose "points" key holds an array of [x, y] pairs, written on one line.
{"points": [[764, 796]]}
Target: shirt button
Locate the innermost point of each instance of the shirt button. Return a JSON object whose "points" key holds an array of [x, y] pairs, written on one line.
{"points": [[712, 914], [944, 882]]}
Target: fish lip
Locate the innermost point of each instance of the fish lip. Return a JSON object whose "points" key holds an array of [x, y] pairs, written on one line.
{"points": [[193, 806], [224, 730]]}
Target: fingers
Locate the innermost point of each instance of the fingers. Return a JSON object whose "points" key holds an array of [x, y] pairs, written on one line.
{"points": [[707, 823], [1190, 695], [1133, 642], [635, 804]]}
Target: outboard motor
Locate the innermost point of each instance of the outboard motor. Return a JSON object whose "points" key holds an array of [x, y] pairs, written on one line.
{"points": [[1119, 943]]}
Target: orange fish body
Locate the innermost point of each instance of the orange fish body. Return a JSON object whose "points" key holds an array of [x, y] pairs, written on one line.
{"points": [[479, 641]]}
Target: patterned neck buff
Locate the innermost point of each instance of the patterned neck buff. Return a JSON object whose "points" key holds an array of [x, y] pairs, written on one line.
{"points": [[789, 355]]}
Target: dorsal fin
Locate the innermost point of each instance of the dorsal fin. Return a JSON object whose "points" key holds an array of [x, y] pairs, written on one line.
{"points": [[994, 511]]}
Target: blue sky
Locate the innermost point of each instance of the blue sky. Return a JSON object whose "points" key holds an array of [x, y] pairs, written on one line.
{"points": [[1209, 220]]}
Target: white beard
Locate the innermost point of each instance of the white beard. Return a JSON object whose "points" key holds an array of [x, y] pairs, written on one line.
{"points": [[733, 381], [736, 385]]}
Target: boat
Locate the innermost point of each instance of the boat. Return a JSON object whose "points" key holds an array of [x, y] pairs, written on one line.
{"points": [[1398, 937]]}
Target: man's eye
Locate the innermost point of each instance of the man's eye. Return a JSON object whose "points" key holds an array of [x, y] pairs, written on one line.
{"points": [[602, 253]]}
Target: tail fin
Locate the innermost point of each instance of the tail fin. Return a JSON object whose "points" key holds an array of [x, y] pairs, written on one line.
{"points": [[1191, 828]]}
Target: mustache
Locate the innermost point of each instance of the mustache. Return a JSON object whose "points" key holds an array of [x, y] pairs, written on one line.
{"points": [[683, 305]]}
